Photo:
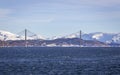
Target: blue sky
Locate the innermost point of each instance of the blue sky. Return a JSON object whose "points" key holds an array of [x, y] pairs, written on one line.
{"points": [[60, 17]]}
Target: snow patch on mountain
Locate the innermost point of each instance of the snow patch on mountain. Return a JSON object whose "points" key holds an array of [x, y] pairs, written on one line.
{"points": [[116, 38], [5, 35], [100, 36], [97, 36]]}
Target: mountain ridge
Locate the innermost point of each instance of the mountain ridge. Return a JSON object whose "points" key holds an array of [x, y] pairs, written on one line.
{"points": [[99, 36]]}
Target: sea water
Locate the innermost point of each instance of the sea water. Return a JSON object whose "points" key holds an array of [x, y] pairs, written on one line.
{"points": [[59, 61]]}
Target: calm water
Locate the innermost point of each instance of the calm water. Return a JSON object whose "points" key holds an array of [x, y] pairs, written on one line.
{"points": [[59, 61]]}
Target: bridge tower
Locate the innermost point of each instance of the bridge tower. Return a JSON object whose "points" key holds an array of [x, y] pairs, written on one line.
{"points": [[25, 37], [80, 38]]}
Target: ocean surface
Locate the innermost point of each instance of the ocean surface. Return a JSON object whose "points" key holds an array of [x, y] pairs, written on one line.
{"points": [[59, 61]]}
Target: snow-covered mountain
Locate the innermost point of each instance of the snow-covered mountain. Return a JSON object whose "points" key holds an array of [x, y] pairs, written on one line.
{"points": [[5, 35], [100, 36]]}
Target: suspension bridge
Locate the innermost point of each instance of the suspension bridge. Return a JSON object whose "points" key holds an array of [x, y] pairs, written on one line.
{"points": [[27, 34]]}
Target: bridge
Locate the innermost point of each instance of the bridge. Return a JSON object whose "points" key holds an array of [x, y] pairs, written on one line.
{"points": [[26, 33]]}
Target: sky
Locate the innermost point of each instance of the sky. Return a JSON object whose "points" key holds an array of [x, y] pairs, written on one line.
{"points": [[60, 17]]}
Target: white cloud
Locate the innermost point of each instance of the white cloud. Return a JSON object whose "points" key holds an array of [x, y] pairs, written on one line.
{"points": [[105, 3], [27, 21], [4, 12], [95, 2], [64, 10]]}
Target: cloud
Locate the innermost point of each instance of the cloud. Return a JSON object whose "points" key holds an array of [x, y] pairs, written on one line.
{"points": [[94, 2], [27, 21], [100, 2], [33, 20], [63, 10], [5, 12]]}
